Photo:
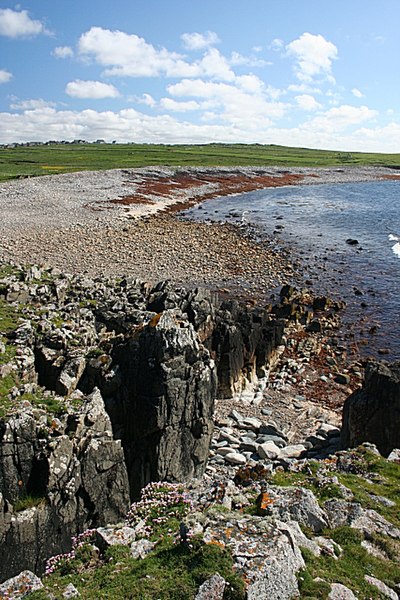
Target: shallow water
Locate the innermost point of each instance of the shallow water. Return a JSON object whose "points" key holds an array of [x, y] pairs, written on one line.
{"points": [[318, 221]]}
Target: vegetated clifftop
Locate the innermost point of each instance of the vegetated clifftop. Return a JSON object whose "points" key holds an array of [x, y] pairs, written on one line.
{"points": [[109, 385]]}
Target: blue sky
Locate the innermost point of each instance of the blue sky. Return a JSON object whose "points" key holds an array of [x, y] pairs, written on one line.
{"points": [[303, 73]]}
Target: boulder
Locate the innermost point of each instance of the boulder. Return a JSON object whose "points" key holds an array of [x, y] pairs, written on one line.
{"points": [[372, 413], [20, 586]]}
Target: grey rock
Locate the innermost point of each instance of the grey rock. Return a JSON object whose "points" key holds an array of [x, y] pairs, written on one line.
{"points": [[20, 586], [382, 587], [71, 592], [70, 375], [371, 414], [268, 450], [212, 589], [141, 548], [340, 592], [340, 512], [394, 456], [114, 536], [235, 458], [298, 504], [294, 451]]}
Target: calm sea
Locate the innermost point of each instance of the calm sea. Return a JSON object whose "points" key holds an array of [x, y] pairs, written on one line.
{"points": [[318, 222]]}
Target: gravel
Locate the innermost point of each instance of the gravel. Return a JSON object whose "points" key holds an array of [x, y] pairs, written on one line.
{"points": [[68, 221]]}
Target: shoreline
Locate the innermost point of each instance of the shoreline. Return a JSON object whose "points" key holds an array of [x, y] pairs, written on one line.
{"points": [[74, 223], [112, 222]]}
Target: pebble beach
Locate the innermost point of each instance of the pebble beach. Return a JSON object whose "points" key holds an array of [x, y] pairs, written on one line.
{"points": [[107, 223]]}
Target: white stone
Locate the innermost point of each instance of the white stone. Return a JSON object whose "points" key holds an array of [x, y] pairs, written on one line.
{"points": [[235, 458], [341, 592], [382, 587], [268, 450], [292, 451]]}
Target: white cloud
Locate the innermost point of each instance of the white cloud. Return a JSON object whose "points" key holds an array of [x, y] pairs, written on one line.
{"points": [[233, 105], [276, 44], [33, 104], [304, 88], [146, 99], [313, 55], [356, 92], [14, 24], [174, 106], [129, 55], [214, 65], [237, 59], [5, 76], [63, 52], [307, 102], [341, 117], [90, 89], [199, 41], [131, 125]]}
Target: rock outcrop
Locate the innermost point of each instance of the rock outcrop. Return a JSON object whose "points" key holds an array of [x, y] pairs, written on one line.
{"points": [[56, 480], [372, 414], [112, 385]]}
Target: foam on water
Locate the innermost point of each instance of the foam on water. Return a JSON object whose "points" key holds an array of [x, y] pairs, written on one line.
{"points": [[396, 247]]}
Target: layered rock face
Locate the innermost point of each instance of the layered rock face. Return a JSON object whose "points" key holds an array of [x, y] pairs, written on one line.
{"points": [[76, 479], [372, 414], [133, 371]]}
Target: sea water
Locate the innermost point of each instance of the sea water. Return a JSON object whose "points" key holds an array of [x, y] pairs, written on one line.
{"points": [[349, 238]]}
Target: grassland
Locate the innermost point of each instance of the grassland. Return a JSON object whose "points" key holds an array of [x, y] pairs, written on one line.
{"points": [[64, 158]]}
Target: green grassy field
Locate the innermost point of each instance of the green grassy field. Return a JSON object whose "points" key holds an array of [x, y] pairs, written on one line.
{"points": [[64, 158]]}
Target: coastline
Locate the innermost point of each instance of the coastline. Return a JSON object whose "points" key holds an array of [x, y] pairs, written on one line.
{"points": [[107, 223]]}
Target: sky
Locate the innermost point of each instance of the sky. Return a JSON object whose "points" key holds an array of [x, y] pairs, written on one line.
{"points": [[305, 73]]}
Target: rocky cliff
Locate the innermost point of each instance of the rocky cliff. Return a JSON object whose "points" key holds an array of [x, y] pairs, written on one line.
{"points": [[106, 386]]}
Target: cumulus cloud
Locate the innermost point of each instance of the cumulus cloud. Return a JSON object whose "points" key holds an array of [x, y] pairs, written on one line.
{"points": [[341, 117], [90, 89], [199, 41], [15, 24], [307, 102], [231, 103], [5, 76], [174, 106], [356, 92], [313, 55], [63, 52], [130, 55], [131, 125]]}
